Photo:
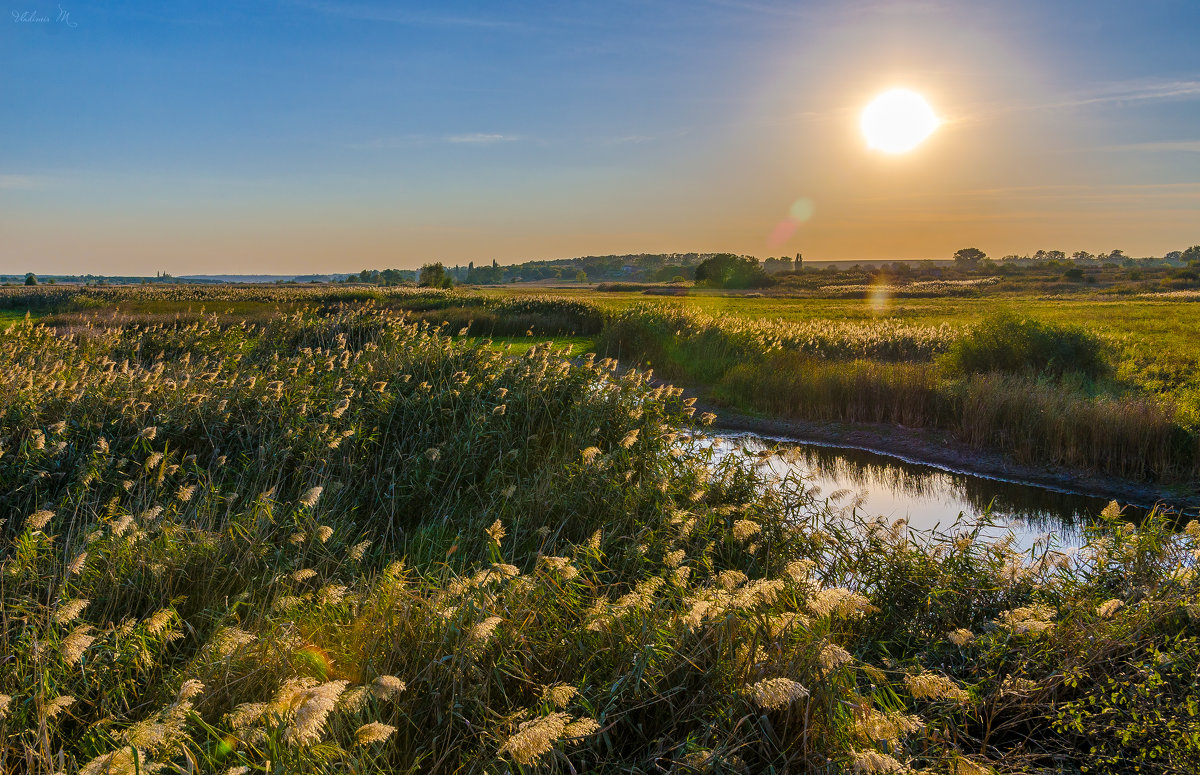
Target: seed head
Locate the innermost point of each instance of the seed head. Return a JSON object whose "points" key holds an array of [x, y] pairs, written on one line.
{"points": [[777, 693], [535, 738], [495, 532], [385, 687], [932, 686], [58, 704], [482, 632], [961, 637], [310, 498], [871, 762], [841, 602], [229, 639], [39, 519], [76, 643], [744, 529], [374, 732], [582, 727], [832, 657], [312, 709], [70, 610], [559, 695]]}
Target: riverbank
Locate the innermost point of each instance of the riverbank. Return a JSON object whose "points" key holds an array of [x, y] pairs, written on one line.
{"points": [[927, 447]]}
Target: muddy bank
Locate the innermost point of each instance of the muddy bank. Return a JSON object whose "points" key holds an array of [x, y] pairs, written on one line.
{"points": [[935, 448]]}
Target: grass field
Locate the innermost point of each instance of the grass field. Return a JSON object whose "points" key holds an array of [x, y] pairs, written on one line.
{"points": [[341, 537], [1156, 337]]}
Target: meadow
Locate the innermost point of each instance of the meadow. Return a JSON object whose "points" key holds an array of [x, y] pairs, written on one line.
{"points": [[304, 530]]}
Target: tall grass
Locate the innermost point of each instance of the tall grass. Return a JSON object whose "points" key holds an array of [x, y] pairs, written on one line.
{"points": [[345, 541], [1009, 384]]}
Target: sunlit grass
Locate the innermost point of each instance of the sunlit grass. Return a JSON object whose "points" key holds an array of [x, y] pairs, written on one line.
{"points": [[343, 540]]}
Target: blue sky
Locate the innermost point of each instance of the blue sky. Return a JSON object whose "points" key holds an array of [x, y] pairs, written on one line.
{"points": [[308, 135]]}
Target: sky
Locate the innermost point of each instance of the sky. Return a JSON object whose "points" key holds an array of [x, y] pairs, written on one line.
{"points": [[296, 136]]}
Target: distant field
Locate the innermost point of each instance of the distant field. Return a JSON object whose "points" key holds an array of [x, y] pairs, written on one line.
{"points": [[840, 360], [1157, 337]]}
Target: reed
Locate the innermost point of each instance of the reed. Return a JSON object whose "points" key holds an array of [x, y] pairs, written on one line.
{"points": [[344, 540]]}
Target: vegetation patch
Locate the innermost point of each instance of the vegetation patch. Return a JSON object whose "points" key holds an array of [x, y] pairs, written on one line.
{"points": [[347, 540]]}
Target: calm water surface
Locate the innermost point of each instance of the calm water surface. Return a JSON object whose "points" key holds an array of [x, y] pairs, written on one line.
{"points": [[925, 495]]}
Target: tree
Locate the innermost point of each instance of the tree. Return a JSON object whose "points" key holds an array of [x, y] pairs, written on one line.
{"points": [[726, 270], [434, 276], [969, 257], [581, 276], [1190, 255], [31, 278]]}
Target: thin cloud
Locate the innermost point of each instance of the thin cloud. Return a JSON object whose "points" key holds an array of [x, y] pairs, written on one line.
{"points": [[1182, 146], [1131, 92], [413, 140], [481, 138], [368, 13], [22, 182]]}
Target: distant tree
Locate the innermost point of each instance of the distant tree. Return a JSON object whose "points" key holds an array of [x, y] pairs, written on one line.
{"points": [[1074, 273], [1174, 255], [31, 278], [434, 276], [969, 257], [726, 270], [1082, 255], [1055, 255], [581, 276], [1191, 254]]}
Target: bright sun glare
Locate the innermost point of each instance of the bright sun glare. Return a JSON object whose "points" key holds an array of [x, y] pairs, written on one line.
{"points": [[897, 121]]}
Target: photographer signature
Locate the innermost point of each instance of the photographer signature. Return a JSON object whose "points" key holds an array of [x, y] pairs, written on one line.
{"points": [[33, 17]]}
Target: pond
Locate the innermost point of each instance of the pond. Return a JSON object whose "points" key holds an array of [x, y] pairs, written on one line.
{"points": [[925, 495]]}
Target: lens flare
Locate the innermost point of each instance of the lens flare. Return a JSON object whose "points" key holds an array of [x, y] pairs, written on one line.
{"points": [[800, 212], [880, 296]]}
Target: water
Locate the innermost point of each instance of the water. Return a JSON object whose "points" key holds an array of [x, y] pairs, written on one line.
{"points": [[925, 495]]}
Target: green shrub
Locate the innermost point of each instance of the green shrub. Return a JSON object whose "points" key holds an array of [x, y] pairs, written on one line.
{"points": [[1015, 345]]}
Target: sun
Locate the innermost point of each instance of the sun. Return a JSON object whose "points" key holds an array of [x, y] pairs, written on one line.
{"points": [[897, 121]]}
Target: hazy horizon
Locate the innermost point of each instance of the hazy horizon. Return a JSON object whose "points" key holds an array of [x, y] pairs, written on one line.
{"points": [[309, 137]]}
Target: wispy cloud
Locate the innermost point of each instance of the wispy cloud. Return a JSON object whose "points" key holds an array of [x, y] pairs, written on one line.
{"points": [[1181, 146], [481, 138], [792, 9], [1115, 94], [1081, 192], [392, 15], [23, 182], [1120, 92], [416, 140]]}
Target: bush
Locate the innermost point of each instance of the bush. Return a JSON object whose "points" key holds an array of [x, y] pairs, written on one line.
{"points": [[1014, 345]]}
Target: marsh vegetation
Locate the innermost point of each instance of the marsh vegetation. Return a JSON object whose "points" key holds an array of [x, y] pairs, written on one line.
{"points": [[261, 530]]}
